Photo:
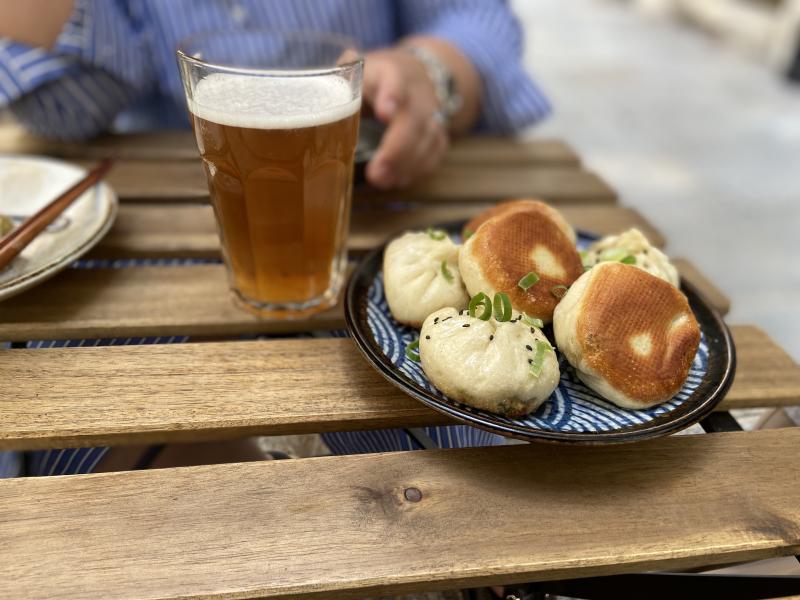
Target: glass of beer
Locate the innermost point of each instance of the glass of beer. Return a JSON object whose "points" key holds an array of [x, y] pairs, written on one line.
{"points": [[275, 115]]}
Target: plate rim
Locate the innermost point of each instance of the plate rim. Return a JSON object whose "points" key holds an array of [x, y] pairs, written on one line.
{"points": [[640, 433], [26, 281]]}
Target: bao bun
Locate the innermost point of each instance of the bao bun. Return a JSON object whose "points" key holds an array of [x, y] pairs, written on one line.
{"points": [[414, 280], [631, 336], [508, 246], [487, 364]]}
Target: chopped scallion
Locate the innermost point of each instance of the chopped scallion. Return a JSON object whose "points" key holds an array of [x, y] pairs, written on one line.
{"points": [[448, 276], [629, 260], [532, 321], [528, 281], [538, 358], [412, 351], [502, 307], [483, 300], [612, 255], [467, 233], [436, 234]]}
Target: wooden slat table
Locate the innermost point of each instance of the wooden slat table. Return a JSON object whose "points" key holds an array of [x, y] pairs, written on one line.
{"points": [[240, 388], [188, 230], [164, 301], [340, 526], [184, 181], [343, 527]]}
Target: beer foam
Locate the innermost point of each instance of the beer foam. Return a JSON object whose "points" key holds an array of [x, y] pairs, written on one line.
{"points": [[273, 102]]}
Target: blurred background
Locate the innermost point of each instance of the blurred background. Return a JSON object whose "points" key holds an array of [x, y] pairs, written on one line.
{"points": [[689, 110]]}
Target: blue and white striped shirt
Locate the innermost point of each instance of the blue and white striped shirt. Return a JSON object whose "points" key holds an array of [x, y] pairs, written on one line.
{"points": [[113, 65]]}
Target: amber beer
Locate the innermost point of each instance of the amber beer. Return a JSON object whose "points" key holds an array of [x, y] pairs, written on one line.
{"points": [[278, 155]]}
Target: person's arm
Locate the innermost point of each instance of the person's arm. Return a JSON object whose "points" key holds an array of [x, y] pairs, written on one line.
{"points": [[480, 41], [34, 22], [95, 66]]}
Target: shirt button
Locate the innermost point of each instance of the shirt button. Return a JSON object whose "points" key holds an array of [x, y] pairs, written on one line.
{"points": [[238, 13]]}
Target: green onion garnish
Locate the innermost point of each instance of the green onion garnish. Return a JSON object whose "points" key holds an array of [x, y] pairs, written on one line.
{"points": [[436, 234], [502, 307], [532, 321], [629, 260], [583, 254], [480, 299], [529, 280], [538, 358], [559, 291], [467, 233], [446, 272], [412, 351], [612, 255]]}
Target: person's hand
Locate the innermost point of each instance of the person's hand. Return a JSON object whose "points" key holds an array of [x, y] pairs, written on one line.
{"points": [[401, 95]]}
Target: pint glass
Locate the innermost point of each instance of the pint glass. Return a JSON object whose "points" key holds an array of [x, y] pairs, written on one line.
{"points": [[275, 115]]}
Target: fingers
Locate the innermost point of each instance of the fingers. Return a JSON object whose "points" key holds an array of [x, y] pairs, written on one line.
{"points": [[383, 87], [412, 146]]}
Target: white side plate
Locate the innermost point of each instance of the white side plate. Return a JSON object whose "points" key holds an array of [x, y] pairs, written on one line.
{"points": [[29, 183]]}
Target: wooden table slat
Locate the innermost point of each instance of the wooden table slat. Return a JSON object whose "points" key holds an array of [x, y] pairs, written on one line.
{"points": [[188, 230], [147, 301], [184, 181], [140, 394], [342, 527], [180, 145]]}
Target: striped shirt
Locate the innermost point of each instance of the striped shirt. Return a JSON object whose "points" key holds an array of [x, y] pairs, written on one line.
{"points": [[113, 65]]}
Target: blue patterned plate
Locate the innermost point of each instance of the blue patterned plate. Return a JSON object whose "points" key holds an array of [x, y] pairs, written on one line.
{"points": [[573, 413]]}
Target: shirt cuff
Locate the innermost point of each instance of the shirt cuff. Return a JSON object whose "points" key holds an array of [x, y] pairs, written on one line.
{"points": [[24, 68], [511, 100]]}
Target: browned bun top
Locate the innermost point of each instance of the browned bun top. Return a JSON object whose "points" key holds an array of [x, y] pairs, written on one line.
{"points": [[637, 332], [516, 242], [498, 209]]}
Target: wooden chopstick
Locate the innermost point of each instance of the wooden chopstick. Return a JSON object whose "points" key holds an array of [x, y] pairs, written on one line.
{"points": [[13, 243]]}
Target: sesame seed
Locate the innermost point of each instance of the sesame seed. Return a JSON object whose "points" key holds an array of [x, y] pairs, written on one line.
{"points": [[528, 348], [533, 331], [530, 361], [447, 319], [427, 337], [436, 320], [465, 325], [491, 337]]}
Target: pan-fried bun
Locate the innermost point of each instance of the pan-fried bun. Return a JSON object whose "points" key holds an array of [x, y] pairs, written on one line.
{"points": [[512, 244], [526, 204], [420, 276], [630, 335], [487, 364], [635, 244]]}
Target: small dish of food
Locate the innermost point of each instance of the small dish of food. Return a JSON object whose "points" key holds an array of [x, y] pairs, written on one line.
{"points": [[515, 323]]}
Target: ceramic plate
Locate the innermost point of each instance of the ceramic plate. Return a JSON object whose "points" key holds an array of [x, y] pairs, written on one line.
{"points": [[573, 413], [26, 185]]}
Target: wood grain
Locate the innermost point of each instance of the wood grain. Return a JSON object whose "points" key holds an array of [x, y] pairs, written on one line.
{"points": [[180, 145], [140, 301], [184, 181], [708, 290], [147, 301], [483, 150], [163, 145], [765, 374], [66, 397], [341, 527], [188, 230], [490, 183]]}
